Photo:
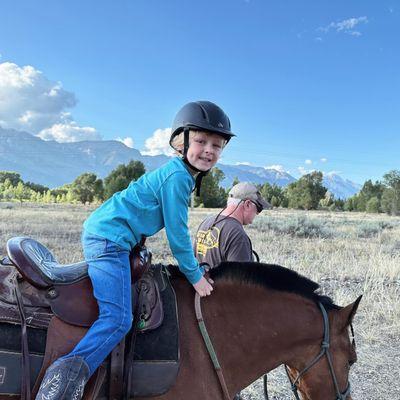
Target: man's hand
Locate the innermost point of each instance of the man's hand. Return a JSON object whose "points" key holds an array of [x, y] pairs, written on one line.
{"points": [[203, 287]]}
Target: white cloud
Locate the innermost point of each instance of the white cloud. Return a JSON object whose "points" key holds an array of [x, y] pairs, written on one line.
{"points": [[30, 101], [243, 163], [345, 26], [128, 141], [69, 131], [349, 24], [308, 162], [158, 143], [323, 160], [276, 167]]}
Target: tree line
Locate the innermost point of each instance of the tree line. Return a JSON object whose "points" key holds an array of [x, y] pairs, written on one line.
{"points": [[307, 193], [86, 188]]}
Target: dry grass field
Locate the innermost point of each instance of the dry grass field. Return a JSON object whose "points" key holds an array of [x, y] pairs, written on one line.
{"points": [[347, 253]]}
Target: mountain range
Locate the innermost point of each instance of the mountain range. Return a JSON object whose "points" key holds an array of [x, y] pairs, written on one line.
{"points": [[53, 164]]}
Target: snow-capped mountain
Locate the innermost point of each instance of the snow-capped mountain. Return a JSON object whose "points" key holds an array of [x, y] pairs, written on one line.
{"points": [[53, 164], [341, 188], [270, 175]]}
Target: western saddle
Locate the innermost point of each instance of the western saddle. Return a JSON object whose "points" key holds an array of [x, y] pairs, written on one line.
{"points": [[37, 291]]}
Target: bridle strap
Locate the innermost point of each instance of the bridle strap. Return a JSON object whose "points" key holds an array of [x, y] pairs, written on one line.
{"points": [[210, 347], [324, 351]]}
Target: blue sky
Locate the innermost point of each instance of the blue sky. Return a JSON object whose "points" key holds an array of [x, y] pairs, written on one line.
{"points": [[307, 84]]}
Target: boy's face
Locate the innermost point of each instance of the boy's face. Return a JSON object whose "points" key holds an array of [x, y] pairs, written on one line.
{"points": [[204, 150]]}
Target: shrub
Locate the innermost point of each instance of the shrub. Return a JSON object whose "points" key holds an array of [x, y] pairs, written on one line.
{"points": [[298, 226], [368, 229]]}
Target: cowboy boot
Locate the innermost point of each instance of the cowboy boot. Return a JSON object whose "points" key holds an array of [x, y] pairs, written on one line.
{"points": [[65, 379]]}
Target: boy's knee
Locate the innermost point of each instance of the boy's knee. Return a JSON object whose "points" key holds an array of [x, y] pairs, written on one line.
{"points": [[120, 323], [126, 325]]}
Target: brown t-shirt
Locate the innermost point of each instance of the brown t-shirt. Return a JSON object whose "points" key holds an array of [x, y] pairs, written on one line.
{"points": [[222, 240]]}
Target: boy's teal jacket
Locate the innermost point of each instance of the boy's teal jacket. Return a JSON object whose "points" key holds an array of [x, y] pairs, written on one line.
{"points": [[156, 200]]}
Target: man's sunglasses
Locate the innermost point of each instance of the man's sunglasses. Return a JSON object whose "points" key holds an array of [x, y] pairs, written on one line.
{"points": [[258, 206]]}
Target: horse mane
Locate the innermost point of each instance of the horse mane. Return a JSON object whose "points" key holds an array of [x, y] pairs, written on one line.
{"points": [[271, 276]]}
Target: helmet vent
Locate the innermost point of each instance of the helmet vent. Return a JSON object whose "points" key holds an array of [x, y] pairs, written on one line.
{"points": [[204, 111]]}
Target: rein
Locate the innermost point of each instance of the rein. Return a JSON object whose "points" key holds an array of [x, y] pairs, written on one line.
{"points": [[324, 352], [210, 347]]}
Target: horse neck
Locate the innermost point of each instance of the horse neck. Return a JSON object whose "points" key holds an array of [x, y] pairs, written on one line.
{"points": [[254, 329]]}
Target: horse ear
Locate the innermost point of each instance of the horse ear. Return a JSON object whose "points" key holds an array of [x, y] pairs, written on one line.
{"points": [[346, 314]]}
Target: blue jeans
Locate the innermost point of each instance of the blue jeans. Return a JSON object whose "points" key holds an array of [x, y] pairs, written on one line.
{"points": [[109, 271]]}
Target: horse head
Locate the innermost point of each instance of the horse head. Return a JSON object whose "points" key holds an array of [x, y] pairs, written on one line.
{"points": [[322, 371]]}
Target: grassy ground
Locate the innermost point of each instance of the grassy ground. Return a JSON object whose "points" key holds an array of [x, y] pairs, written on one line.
{"points": [[347, 253]]}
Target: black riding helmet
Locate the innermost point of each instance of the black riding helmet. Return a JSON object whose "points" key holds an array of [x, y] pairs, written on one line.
{"points": [[200, 115], [204, 116]]}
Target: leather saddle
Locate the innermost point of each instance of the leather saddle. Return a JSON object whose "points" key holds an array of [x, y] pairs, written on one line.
{"points": [[66, 290], [49, 290]]}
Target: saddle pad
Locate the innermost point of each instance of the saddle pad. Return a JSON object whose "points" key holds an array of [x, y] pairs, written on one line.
{"points": [[156, 360], [10, 371], [10, 338]]}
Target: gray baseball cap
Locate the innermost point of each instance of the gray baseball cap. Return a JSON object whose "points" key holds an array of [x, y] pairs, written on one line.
{"points": [[248, 191]]}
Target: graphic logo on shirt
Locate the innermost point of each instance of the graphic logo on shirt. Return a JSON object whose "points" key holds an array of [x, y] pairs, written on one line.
{"points": [[207, 240]]}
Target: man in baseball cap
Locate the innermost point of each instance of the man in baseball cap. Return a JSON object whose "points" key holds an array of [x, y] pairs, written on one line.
{"points": [[247, 191], [222, 237]]}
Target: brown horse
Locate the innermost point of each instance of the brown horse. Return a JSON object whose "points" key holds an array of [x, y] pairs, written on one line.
{"points": [[260, 316]]}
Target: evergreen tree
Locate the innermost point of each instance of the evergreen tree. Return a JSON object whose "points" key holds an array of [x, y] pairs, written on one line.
{"points": [[211, 194], [390, 202], [122, 176], [306, 192], [36, 187], [367, 192], [86, 188], [349, 204], [13, 177], [373, 205], [274, 194]]}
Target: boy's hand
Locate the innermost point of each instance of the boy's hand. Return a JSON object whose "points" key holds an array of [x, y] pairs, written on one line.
{"points": [[203, 287]]}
